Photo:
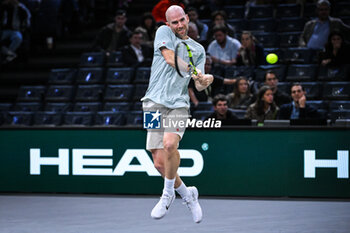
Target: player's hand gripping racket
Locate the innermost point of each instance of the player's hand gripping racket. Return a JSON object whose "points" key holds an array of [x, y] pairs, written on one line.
{"points": [[184, 61]]}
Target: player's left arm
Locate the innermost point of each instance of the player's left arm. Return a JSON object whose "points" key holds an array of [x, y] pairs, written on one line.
{"points": [[202, 81]]}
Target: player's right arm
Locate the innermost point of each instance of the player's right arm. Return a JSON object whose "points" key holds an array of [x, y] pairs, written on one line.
{"points": [[168, 55]]}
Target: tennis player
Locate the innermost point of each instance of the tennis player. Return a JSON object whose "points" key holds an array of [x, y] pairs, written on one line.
{"points": [[167, 94]]}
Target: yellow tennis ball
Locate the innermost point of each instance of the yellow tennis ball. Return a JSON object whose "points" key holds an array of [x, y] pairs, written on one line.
{"points": [[272, 58]]}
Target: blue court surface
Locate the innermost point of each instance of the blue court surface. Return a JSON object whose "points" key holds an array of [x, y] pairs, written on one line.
{"points": [[58, 213]]}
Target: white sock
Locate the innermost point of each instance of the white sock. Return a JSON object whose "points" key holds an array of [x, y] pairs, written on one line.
{"points": [[182, 190], [169, 186]]}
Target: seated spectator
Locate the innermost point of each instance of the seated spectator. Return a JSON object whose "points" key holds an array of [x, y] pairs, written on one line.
{"points": [[316, 31], [160, 8], [193, 31], [264, 107], [219, 18], [221, 111], [241, 97], [148, 28], [136, 54], [224, 49], [213, 90], [113, 36], [250, 53], [336, 51], [279, 96], [202, 27], [15, 20], [203, 8], [298, 108]]}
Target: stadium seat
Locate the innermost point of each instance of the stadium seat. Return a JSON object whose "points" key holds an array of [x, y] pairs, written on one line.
{"points": [[58, 107], [260, 11], [134, 118], [238, 24], [96, 59], [342, 9], [203, 106], [4, 107], [236, 71], [339, 105], [110, 118], [89, 93], [313, 90], [59, 93], [279, 52], [142, 74], [263, 25], [87, 107], [31, 93], [119, 92], [90, 75], [201, 115], [267, 39], [119, 75], [78, 118], [18, 118], [280, 71], [284, 86], [62, 76], [137, 106], [336, 90], [116, 107], [47, 118], [289, 39], [288, 10], [301, 72], [318, 104], [298, 55], [140, 91], [290, 24], [27, 106], [310, 10], [115, 59], [326, 73], [239, 113], [234, 12], [339, 114]]}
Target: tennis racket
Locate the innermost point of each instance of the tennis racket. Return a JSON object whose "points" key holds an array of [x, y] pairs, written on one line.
{"points": [[184, 61]]}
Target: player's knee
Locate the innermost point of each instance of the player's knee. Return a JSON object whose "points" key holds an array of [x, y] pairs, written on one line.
{"points": [[170, 146], [159, 166]]}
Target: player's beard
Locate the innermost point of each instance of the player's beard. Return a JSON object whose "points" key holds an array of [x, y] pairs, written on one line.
{"points": [[181, 37]]}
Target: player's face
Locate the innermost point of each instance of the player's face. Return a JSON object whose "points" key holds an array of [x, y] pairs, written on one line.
{"points": [[221, 107], [268, 97], [271, 80], [178, 22], [297, 93], [243, 86]]}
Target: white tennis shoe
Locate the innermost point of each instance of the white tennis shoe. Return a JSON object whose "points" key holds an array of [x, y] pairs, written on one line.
{"points": [[193, 205], [162, 206]]}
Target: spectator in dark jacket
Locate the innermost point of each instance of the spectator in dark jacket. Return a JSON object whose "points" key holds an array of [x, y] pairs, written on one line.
{"points": [[221, 111], [114, 36], [298, 108], [15, 20], [136, 54], [250, 53], [336, 51], [279, 96]]}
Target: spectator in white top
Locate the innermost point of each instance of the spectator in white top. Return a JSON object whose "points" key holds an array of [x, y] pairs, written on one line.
{"points": [[224, 49]]}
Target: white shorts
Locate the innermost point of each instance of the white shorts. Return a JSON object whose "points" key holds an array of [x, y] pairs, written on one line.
{"points": [[170, 119]]}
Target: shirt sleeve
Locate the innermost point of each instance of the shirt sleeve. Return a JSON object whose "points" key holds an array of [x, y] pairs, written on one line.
{"points": [[164, 38]]}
